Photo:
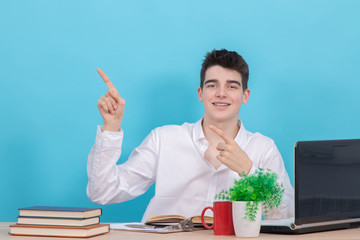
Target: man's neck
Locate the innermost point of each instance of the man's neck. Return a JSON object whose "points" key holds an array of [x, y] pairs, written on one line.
{"points": [[230, 128]]}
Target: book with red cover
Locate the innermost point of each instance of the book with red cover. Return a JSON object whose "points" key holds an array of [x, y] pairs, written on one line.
{"points": [[59, 231]]}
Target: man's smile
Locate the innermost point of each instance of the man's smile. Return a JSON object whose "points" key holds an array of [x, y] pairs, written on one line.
{"points": [[221, 105]]}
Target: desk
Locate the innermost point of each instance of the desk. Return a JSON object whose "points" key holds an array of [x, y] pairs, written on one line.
{"points": [[348, 234]]}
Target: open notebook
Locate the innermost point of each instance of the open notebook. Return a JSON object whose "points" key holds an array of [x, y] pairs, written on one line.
{"points": [[327, 188]]}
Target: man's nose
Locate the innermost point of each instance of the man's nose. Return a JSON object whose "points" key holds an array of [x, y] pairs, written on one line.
{"points": [[221, 92]]}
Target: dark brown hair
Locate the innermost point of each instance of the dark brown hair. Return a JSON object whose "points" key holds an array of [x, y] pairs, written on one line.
{"points": [[226, 59]]}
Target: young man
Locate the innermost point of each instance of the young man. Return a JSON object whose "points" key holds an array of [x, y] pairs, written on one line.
{"points": [[189, 163]]}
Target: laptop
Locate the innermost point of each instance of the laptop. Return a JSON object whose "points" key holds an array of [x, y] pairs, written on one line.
{"points": [[327, 188]]}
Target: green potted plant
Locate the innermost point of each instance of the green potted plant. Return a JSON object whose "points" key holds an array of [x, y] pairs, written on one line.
{"points": [[249, 194]]}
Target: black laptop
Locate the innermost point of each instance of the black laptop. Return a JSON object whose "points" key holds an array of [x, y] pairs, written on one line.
{"points": [[327, 188]]}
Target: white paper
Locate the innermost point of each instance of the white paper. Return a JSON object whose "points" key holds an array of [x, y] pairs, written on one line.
{"points": [[136, 226]]}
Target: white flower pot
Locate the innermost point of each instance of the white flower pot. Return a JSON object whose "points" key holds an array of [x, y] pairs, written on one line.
{"points": [[244, 227]]}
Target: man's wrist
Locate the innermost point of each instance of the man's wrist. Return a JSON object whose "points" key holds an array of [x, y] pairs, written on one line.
{"points": [[111, 127], [247, 168]]}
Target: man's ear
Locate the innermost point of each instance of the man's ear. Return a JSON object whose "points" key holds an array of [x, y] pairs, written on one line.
{"points": [[199, 90], [246, 96]]}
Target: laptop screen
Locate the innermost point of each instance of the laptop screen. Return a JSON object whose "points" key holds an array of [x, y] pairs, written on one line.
{"points": [[327, 180]]}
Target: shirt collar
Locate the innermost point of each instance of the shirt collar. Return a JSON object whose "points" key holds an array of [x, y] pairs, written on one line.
{"points": [[198, 133], [240, 138]]}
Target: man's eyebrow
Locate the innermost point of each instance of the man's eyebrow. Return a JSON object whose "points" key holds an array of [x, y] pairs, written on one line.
{"points": [[227, 81], [234, 81], [211, 81]]}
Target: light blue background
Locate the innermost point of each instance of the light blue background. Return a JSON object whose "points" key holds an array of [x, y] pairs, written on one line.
{"points": [[304, 59]]}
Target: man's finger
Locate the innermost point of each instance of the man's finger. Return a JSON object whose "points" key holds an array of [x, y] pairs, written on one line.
{"points": [[220, 158], [222, 147], [114, 94], [112, 100], [105, 78], [221, 134]]}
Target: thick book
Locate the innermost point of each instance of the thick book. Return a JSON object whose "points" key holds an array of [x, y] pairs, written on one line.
{"points": [[59, 231], [175, 219], [76, 222], [59, 212]]}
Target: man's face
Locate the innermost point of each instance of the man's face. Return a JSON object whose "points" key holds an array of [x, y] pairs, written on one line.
{"points": [[222, 94]]}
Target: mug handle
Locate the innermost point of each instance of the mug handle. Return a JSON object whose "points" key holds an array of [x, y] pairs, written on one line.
{"points": [[202, 218]]}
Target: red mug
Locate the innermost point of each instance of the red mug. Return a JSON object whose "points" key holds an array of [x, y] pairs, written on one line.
{"points": [[223, 220]]}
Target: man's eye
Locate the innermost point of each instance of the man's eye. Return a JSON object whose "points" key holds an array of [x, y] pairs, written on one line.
{"points": [[211, 85], [233, 87]]}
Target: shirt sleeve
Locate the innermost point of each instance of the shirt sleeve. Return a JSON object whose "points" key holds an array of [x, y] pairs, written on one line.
{"points": [[273, 160], [111, 183]]}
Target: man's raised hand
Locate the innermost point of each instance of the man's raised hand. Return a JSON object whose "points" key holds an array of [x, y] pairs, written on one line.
{"points": [[111, 105], [230, 153]]}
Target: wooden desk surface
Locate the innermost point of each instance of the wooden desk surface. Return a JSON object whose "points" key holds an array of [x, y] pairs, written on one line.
{"points": [[349, 234]]}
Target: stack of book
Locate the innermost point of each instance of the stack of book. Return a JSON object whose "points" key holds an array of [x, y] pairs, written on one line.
{"points": [[59, 222]]}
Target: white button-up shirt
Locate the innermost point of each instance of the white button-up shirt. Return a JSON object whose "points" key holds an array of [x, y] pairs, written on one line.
{"points": [[173, 157]]}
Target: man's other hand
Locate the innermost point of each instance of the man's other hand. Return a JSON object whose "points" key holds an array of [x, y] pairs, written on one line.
{"points": [[111, 105]]}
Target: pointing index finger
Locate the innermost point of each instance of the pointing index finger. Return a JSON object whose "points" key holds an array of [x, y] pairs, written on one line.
{"points": [[105, 78], [220, 133]]}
